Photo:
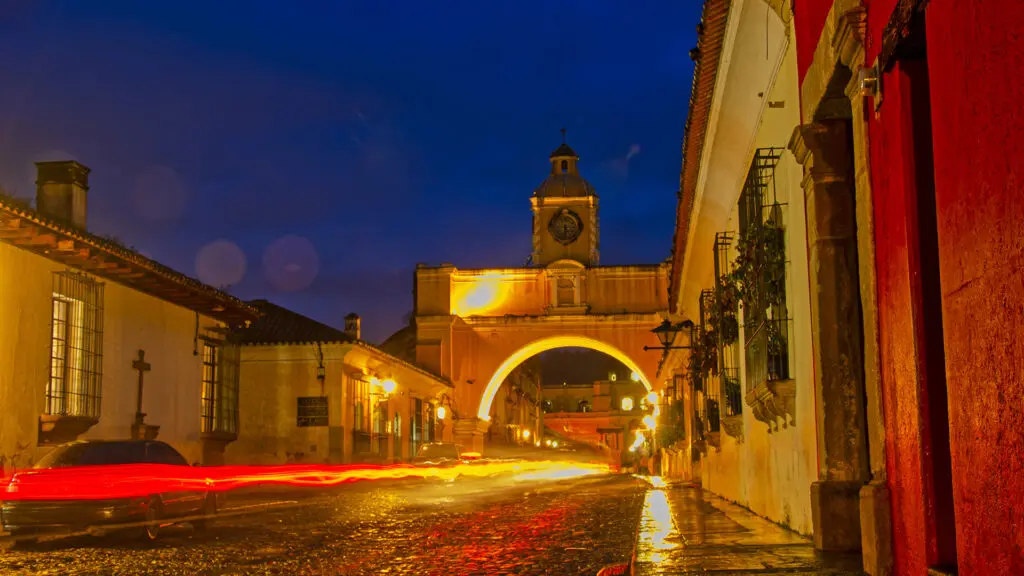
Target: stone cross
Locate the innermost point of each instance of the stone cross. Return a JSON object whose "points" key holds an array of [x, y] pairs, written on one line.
{"points": [[141, 366]]}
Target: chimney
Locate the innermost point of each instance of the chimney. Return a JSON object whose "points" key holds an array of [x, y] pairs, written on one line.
{"points": [[61, 190], [352, 325]]}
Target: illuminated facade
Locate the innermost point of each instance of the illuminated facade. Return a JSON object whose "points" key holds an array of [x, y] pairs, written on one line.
{"points": [[475, 327], [85, 319], [895, 256], [746, 390], [602, 414], [312, 393], [516, 409]]}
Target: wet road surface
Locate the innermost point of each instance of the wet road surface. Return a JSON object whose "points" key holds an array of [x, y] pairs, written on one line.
{"points": [[684, 530], [494, 526]]}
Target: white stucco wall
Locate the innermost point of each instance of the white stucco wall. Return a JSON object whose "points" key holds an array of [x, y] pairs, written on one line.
{"points": [[131, 321], [769, 473]]}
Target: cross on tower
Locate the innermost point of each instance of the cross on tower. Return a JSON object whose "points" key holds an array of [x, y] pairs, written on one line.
{"points": [[141, 366]]}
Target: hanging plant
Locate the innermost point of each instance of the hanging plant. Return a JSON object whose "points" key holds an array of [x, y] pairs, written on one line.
{"points": [[697, 360], [760, 270], [709, 343], [724, 309]]}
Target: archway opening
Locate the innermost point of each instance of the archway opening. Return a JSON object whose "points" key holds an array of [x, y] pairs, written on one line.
{"points": [[543, 345]]}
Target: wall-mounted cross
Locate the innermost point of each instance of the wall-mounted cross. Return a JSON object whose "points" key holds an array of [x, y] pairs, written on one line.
{"points": [[141, 366]]}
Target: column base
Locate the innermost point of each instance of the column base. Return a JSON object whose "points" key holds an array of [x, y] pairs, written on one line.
{"points": [[835, 513], [469, 433], [876, 529]]}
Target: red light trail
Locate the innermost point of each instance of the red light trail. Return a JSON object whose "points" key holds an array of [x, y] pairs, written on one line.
{"points": [[139, 480]]}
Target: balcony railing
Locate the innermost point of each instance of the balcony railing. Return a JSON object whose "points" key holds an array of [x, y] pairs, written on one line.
{"points": [[733, 394]]}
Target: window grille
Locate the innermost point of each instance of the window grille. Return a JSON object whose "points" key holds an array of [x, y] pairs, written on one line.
{"points": [[708, 397], [727, 325], [360, 405], [431, 424], [766, 317], [219, 406], [369, 419], [416, 437], [76, 346]]}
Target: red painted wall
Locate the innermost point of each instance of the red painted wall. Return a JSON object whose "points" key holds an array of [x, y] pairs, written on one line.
{"points": [[976, 58], [890, 177], [809, 19], [910, 330], [878, 13]]}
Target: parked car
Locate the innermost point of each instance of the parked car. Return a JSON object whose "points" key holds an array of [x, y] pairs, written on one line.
{"points": [[443, 454], [23, 517]]}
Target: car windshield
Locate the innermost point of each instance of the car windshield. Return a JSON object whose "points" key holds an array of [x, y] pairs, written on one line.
{"points": [[94, 454], [438, 451]]}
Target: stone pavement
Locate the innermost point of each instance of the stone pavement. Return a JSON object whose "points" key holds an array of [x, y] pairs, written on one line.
{"points": [[684, 530], [488, 526]]}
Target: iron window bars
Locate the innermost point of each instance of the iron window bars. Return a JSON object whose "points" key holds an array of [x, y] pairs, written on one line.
{"points": [[727, 326], [766, 327], [76, 346], [219, 404]]}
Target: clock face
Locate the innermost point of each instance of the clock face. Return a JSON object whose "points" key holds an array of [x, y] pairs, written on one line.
{"points": [[566, 226]]}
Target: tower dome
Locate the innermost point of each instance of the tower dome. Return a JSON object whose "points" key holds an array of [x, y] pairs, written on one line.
{"points": [[565, 180]]}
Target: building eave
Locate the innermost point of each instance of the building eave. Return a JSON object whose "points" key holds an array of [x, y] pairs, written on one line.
{"points": [[705, 72], [375, 350], [24, 228]]}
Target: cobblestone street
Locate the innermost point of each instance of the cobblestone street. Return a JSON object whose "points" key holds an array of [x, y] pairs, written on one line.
{"points": [[480, 527], [685, 530]]}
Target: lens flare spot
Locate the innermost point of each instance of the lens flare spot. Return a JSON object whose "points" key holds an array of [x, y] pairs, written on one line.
{"points": [[220, 263], [290, 264]]}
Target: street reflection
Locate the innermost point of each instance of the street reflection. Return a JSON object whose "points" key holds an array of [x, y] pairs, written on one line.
{"points": [[656, 524], [562, 473]]}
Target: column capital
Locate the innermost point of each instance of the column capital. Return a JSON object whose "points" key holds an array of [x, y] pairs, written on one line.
{"points": [[821, 147], [848, 38]]}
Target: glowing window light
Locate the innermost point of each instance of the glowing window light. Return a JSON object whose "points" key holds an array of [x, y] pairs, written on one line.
{"points": [[626, 404], [440, 412]]}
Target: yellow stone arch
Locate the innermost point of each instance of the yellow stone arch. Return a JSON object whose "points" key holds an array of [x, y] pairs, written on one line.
{"points": [[543, 345]]}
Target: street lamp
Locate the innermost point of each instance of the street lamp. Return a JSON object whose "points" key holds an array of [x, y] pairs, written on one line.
{"points": [[666, 333]]}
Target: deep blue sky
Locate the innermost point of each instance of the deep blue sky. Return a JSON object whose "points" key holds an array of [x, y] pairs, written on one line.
{"points": [[381, 133]]}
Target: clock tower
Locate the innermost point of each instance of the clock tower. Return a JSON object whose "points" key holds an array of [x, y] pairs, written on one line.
{"points": [[564, 213]]}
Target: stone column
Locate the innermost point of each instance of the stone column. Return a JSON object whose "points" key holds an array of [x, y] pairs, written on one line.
{"points": [[875, 509], [469, 433], [825, 150]]}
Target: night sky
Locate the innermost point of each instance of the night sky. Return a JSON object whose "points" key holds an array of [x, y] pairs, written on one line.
{"points": [[312, 153]]}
